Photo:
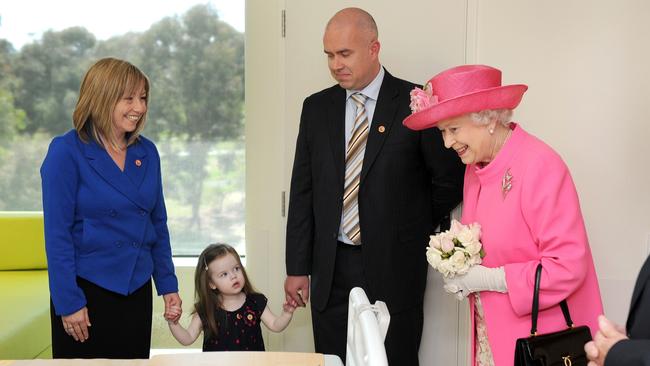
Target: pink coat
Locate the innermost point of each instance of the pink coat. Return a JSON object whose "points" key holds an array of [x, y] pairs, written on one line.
{"points": [[538, 219]]}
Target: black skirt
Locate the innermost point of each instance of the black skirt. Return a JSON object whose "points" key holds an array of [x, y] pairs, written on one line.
{"points": [[120, 325]]}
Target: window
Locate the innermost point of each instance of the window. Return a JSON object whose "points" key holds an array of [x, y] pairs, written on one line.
{"points": [[194, 57]]}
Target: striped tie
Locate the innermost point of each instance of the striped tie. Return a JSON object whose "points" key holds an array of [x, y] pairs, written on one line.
{"points": [[353, 164]]}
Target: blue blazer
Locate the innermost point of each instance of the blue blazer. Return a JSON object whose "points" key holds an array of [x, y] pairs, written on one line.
{"points": [[101, 224]]}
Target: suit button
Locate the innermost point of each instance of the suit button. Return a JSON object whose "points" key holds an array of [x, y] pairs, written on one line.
{"points": [[135, 245], [143, 212], [118, 244], [112, 213]]}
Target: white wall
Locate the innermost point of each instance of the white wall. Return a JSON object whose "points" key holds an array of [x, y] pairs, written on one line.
{"points": [[585, 64]]}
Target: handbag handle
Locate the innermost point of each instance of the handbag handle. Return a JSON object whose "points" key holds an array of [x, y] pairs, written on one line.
{"points": [[563, 304]]}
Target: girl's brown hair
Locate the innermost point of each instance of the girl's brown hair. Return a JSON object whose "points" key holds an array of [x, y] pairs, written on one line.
{"points": [[208, 302], [104, 84]]}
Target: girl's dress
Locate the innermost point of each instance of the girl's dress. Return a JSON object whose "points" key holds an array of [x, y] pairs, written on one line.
{"points": [[241, 330]]}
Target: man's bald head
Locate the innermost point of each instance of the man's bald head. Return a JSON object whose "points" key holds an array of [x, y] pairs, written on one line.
{"points": [[357, 18], [352, 49]]}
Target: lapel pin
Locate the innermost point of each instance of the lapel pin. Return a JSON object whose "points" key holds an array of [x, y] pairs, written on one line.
{"points": [[138, 162], [381, 129], [506, 183]]}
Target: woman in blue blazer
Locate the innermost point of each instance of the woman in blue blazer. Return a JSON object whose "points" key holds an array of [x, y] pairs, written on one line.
{"points": [[105, 221]]}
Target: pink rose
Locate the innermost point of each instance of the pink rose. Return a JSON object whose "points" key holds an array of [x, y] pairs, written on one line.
{"points": [[421, 99], [447, 245], [434, 242]]}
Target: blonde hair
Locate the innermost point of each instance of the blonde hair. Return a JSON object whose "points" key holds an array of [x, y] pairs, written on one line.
{"points": [[104, 84]]}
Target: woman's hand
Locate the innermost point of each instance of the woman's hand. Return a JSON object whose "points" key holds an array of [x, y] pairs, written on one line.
{"points": [[478, 278], [173, 304], [174, 312], [76, 324]]}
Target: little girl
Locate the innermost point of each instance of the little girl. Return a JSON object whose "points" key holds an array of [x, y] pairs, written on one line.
{"points": [[227, 308]]}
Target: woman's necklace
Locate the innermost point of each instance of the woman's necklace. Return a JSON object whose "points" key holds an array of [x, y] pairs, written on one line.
{"points": [[118, 156], [500, 143]]}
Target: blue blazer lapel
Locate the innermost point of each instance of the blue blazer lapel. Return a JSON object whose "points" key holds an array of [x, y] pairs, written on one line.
{"points": [[136, 163], [102, 163], [336, 128], [385, 109]]}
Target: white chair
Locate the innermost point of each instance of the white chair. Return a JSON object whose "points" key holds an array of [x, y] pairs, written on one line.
{"points": [[367, 327]]}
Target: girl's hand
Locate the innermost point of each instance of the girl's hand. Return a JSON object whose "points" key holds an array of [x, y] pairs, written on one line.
{"points": [[172, 300], [76, 324], [173, 314], [288, 308]]}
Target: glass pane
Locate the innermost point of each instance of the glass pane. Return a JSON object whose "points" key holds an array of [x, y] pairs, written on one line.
{"points": [[193, 52]]}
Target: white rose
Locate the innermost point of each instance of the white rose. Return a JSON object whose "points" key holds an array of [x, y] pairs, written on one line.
{"points": [[473, 247], [446, 268], [474, 260], [457, 259], [463, 270], [465, 235], [433, 257], [434, 241], [475, 228], [455, 228]]}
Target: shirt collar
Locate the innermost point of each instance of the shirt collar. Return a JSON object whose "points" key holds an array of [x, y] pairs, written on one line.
{"points": [[371, 90]]}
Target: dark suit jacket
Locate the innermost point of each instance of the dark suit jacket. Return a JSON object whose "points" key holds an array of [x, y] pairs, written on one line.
{"points": [[409, 181], [101, 224], [636, 350]]}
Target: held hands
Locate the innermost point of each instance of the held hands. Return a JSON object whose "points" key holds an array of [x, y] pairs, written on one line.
{"points": [[173, 314], [173, 309], [76, 324], [288, 308], [296, 290], [478, 278], [608, 335]]}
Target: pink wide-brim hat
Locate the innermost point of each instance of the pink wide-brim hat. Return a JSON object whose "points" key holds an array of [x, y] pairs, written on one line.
{"points": [[461, 90]]}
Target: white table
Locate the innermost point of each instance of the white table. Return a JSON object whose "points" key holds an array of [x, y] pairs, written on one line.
{"points": [[199, 359]]}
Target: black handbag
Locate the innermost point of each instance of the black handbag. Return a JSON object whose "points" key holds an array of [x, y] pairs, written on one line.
{"points": [[563, 348]]}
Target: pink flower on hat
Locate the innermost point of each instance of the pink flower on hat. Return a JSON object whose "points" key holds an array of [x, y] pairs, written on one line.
{"points": [[421, 99]]}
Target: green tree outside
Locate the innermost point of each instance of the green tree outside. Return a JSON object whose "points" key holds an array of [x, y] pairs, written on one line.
{"points": [[196, 66]]}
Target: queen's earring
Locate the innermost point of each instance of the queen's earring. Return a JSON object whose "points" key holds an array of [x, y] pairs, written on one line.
{"points": [[491, 130]]}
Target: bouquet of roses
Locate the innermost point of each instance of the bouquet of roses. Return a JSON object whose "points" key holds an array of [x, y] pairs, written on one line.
{"points": [[454, 251]]}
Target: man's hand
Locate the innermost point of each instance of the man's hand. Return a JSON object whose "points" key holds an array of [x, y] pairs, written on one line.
{"points": [[296, 290], [608, 335], [173, 303], [76, 324]]}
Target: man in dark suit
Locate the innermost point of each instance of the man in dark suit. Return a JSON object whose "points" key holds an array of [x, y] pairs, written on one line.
{"points": [[366, 193], [611, 345]]}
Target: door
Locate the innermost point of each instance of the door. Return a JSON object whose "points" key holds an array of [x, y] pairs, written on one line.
{"points": [[418, 39]]}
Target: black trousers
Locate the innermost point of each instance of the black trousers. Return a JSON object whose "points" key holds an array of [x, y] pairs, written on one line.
{"points": [[330, 325], [120, 325]]}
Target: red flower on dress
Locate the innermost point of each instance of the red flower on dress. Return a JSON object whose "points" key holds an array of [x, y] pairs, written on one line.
{"points": [[249, 318]]}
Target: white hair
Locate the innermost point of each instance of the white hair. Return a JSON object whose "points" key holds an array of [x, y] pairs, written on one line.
{"points": [[485, 116]]}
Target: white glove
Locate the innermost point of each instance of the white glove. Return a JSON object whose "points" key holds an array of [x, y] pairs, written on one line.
{"points": [[478, 278]]}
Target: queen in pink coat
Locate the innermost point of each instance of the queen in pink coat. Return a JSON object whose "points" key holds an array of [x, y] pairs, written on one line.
{"points": [[521, 193]]}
